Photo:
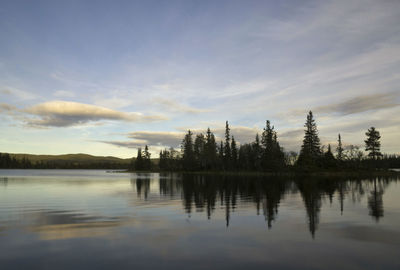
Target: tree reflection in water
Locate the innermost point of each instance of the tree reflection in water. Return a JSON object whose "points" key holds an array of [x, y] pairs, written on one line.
{"points": [[202, 193]]}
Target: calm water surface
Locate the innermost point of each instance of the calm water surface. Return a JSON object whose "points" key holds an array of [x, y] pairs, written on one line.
{"points": [[64, 219]]}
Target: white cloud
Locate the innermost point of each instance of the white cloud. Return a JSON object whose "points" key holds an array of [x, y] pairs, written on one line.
{"points": [[174, 106], [64, 113]]}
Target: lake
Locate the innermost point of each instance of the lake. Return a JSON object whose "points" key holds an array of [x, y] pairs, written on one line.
{"points": [[91, 219]]}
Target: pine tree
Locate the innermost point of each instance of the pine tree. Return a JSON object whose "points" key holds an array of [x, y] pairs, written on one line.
{"points": [[188, 158], [311, 149], [273, 157], [199, 153], [339, 148], [267, 146], [221, 155], [139, 160], [210, 149], [146, 159], [163, 160], [278, 154], [257, 153], [372, 143], [234, 153], [329, 159], [227, 147]]}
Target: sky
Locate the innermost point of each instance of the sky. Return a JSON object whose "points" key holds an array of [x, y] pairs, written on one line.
{"points": [[107, 77]]}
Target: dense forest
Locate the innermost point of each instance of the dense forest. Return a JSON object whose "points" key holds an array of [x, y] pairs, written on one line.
{"points": [[201, 152]]}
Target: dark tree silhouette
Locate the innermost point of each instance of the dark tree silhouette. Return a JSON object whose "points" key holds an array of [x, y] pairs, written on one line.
{"points": [[139, 163], [210, 149], [310, 152], [146, 159], [339, 149], [234, 152], [257, 153], [227, 147], [329, 160], [199, 151], [372, 143], [188, 157]]}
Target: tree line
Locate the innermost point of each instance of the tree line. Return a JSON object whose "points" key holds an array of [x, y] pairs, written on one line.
{"points": [[201, 152], [7, 161]]}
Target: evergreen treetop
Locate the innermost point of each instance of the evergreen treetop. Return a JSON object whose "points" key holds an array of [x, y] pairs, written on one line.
{"points": [[372, 143]]}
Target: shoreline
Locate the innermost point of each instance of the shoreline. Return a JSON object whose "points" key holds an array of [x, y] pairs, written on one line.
{"points": [[361, 173]]}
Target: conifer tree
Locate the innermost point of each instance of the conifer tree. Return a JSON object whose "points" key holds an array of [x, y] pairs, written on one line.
{"points": [[234, 153], [329, 159], [339, 148], [267, 145], [311, 149], [146, 158], [273, 157], [139, 160], [221, 155], [278, 154], [372, 143], [210, 149], [199, 153], [256, 153], [188, 158], [227, 147], [162, 163]]}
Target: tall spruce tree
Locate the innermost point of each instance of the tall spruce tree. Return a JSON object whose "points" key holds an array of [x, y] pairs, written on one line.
{"points": [[372, 143], [267, 146], [221, 155], [139, 160], [339, 149], [278, 154], [329, 159], [227, 147], [210, 149], [234, 153], [310, 152], [257, 153], [146, 158], [162, 164], [188, 157], [199, 153], [273, 157]]}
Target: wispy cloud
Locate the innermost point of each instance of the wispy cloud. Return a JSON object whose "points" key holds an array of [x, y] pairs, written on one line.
{"points": [[7, 107], [151, 138], [63, 114], [18, 93], [174, 106], [64, 94], [354, 105], [362, 104]]}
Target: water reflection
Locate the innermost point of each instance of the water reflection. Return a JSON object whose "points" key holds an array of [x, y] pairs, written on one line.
{"points": [[3, 181], [204, 193], [375, 201], [55, 224], [171, 221]]}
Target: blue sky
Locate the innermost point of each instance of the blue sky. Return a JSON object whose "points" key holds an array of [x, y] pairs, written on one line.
{"points": [[104, 77]]}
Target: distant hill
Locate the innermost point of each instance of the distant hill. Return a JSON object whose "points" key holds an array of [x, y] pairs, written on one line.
{"points": [[73, 158], [67, 161]]}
